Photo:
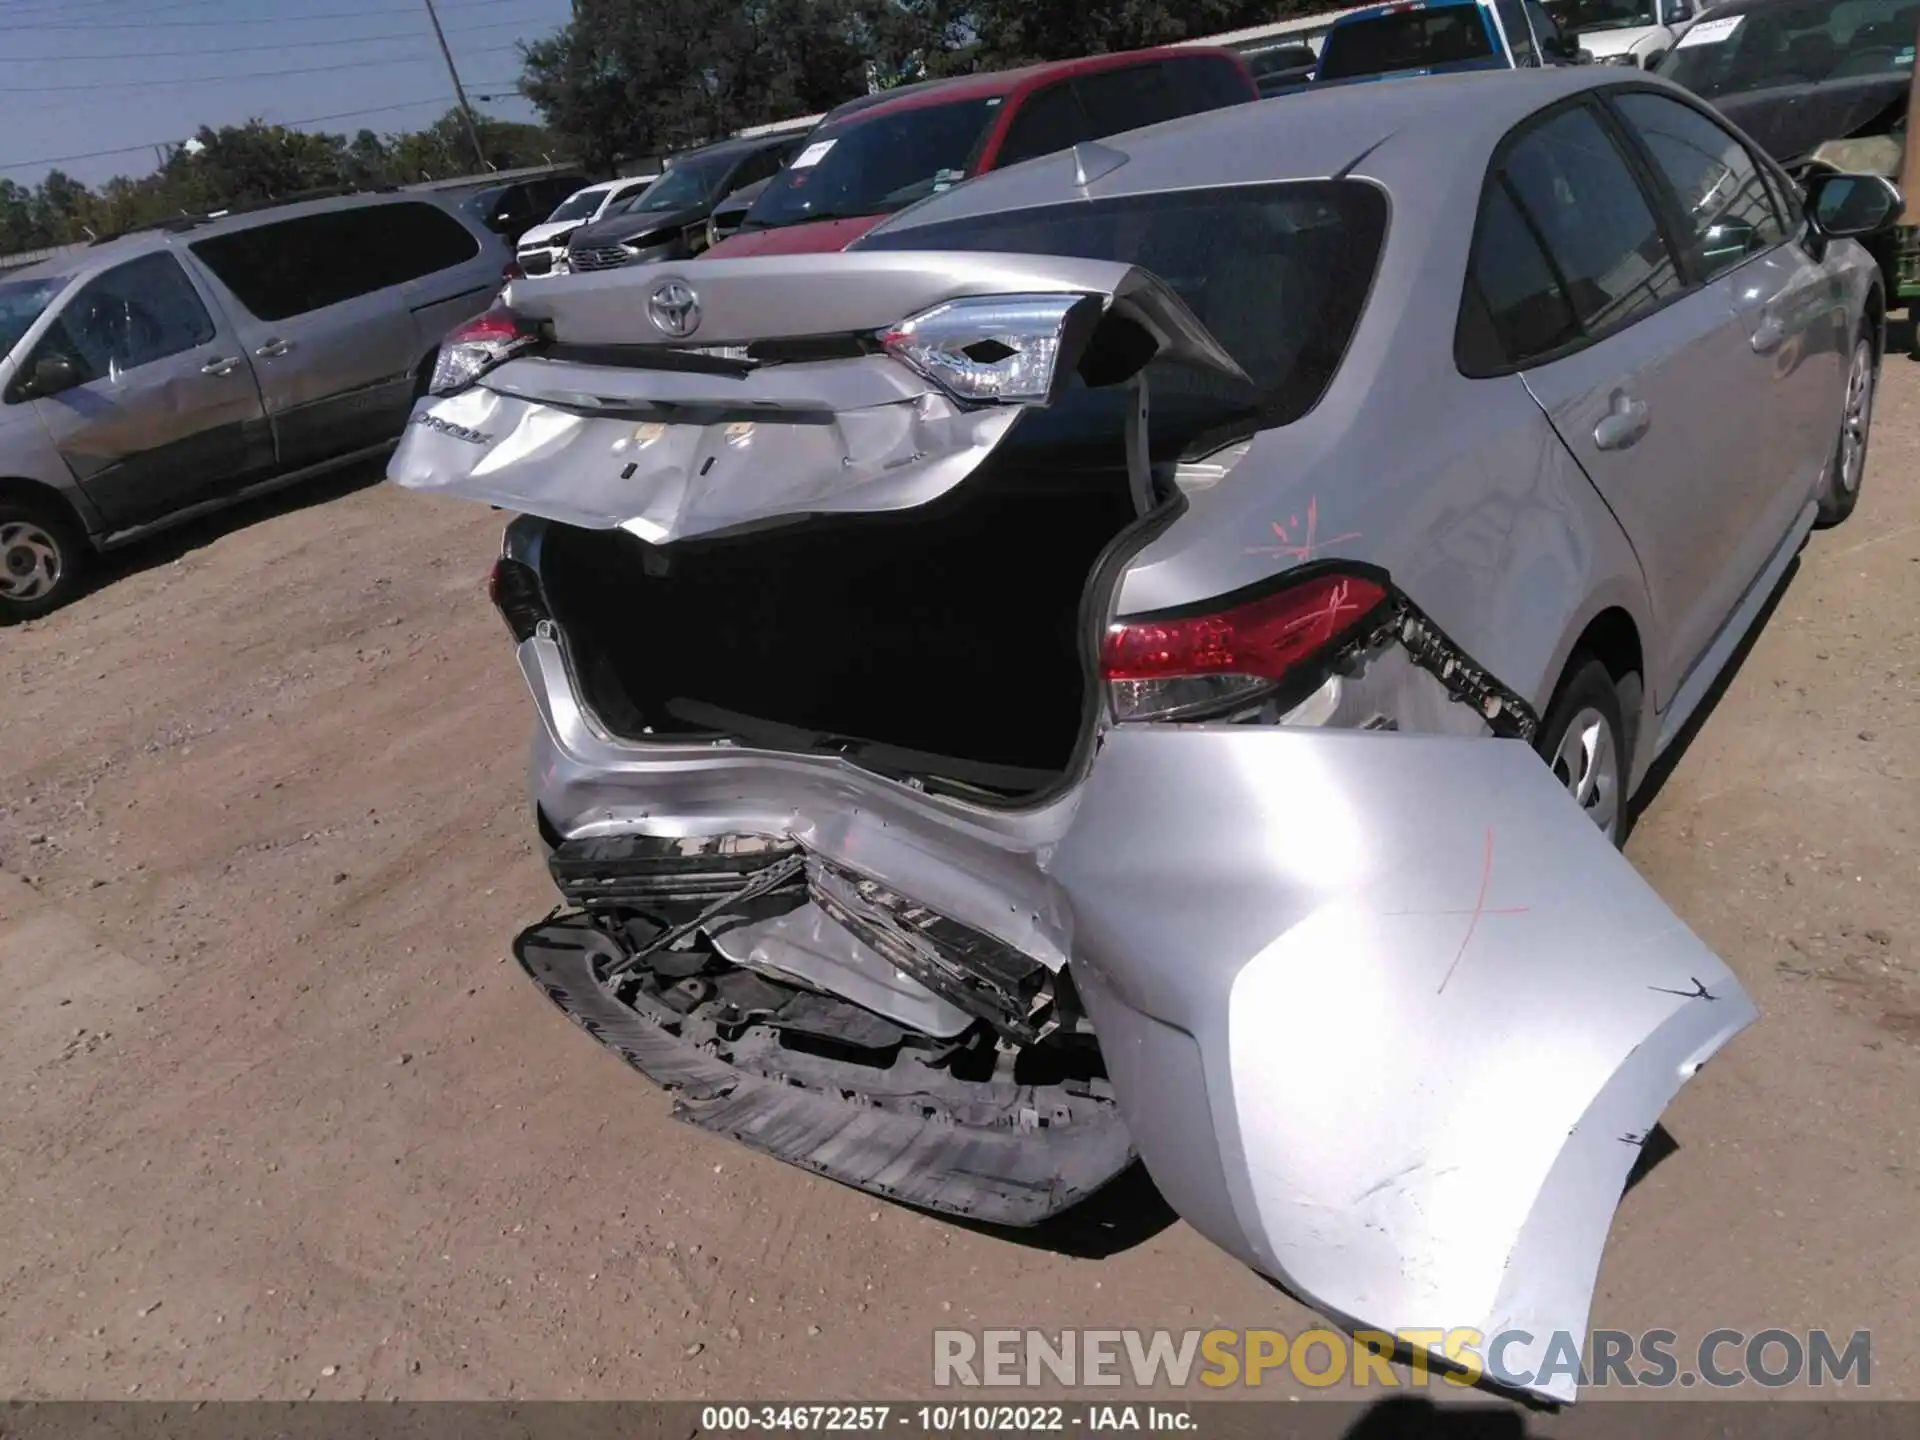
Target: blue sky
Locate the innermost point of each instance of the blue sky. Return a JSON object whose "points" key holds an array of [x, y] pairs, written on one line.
{"points": [[84, 76]]}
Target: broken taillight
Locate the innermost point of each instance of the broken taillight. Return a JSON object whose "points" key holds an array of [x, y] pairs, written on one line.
{"points": [[991, 349], [477, 346], [1194, 663], [515, 590]]}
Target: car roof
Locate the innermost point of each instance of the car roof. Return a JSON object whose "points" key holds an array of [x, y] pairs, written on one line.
{"points": [[999, 83], [170, 235], [736, 146], [1429, 131]]}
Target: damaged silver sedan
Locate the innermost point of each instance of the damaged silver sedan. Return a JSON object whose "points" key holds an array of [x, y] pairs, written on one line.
{"points": [[1147, 656]]}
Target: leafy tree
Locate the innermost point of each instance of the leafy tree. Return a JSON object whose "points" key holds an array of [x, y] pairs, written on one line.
{"points": [[257, 163], [621, 81]]}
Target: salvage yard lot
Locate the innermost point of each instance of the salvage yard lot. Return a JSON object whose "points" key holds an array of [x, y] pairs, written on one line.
{"points": [[283, 1119]]}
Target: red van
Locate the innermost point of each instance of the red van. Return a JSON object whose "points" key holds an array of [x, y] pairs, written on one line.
{"points": [[880, 153]]}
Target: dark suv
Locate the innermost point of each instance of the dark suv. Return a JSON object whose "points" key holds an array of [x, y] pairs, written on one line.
{"points": [[668, 221]]}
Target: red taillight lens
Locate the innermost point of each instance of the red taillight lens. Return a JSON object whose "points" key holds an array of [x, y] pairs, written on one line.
{"points": [[515, 591], [1183, 666], [476, 347]]}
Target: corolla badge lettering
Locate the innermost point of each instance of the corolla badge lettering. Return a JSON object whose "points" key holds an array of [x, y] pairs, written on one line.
{"points": [[447, 427], [674, 309]]}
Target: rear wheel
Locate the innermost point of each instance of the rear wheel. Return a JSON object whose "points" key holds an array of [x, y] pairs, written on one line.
{"points": [[1849, 464], [41, 556], [1585, 743]]}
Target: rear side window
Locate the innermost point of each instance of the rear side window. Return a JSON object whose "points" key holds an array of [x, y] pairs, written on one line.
{"points": [[1137, 95], [1211, 82], [1279, 274], [1406, 40], [1049, 121], [290, 267], [1562, 197]]}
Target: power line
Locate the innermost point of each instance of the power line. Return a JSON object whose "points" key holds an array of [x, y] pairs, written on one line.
{"points": [[386, 13], [9, 11], [244, 75], [285, 124], [253, 49]]}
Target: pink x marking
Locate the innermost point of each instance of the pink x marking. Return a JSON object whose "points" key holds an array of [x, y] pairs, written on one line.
{"points": [[1479, 909], [1303, 551]]}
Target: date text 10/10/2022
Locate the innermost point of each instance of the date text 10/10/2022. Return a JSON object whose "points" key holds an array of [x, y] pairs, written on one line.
{"points": [[945, 1419]]}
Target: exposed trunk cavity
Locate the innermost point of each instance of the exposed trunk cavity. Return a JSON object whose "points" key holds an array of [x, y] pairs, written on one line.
{"points": [[940, 644]]}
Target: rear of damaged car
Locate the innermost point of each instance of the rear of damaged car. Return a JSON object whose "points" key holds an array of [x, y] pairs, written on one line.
{"points": [[957, 791]]}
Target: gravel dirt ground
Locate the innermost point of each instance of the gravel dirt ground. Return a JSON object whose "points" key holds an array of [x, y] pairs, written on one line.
{"points": [[284, 1120]]}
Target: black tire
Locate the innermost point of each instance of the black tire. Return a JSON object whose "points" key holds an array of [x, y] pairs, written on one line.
{"points": [[1841, 490], [42, 557], [1590, 694]]}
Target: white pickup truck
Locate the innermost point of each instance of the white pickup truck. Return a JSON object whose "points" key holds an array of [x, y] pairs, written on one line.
{"points": [[1624, 32]]}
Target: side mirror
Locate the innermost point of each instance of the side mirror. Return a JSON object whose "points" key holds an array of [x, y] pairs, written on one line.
{"points": [[51, 374], [1852, 207]]}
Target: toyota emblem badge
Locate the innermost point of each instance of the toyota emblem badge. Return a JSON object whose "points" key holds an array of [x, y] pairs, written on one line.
{"points": [[674, 309]]}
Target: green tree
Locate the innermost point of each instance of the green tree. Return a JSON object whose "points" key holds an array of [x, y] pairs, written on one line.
{"points": [[622, 81]]}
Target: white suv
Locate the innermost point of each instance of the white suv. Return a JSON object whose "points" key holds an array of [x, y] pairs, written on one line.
{"points": [[547, 242]]}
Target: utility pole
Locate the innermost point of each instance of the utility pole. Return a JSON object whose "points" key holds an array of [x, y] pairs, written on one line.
{"points": [[459, 91]]}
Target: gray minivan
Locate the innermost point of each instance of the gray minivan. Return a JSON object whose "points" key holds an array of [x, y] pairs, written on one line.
{"points": [[165, 373]]}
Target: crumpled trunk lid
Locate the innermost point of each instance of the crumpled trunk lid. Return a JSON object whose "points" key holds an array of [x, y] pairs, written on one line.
{"points": [[616, 422]]}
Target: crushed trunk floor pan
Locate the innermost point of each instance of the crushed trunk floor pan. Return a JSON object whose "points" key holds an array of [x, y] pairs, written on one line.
{"points": [[997, 1174]]}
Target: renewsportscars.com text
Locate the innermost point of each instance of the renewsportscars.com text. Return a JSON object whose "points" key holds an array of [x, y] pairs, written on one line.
{"points": [[1722, 1359]]}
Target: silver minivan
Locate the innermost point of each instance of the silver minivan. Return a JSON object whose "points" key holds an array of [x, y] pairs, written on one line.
{"points": [[168, 372]]}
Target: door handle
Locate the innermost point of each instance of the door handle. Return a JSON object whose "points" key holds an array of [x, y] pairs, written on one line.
{"points": [[1623, 424], [1768, 334], [224, 366], [274, 349]]}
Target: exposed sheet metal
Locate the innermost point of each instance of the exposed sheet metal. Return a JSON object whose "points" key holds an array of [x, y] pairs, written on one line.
{"points": [[805, 945]]}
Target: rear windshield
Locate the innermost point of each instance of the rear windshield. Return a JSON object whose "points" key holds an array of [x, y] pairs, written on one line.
{"points": [[1803, 43], [1277, 273], [1406, 40], [577, 206], [874, 164]]}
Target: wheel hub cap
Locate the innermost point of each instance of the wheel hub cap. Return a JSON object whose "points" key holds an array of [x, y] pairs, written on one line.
{"points": [[1588, 764], [1857, 416], [30, 562]]}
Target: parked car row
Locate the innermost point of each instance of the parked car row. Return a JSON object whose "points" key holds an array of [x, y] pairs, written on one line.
{"points": [[1045, 684]]}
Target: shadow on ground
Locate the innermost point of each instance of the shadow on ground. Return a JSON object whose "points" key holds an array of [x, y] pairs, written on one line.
{"points": [[170, 545], [1128, 1211]]}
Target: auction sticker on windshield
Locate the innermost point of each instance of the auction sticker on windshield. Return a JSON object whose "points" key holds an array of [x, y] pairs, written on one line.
{"points": [[812, 155], [1710, 32]]}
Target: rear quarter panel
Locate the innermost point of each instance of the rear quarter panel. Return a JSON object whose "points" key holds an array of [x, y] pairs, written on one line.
{"points": [[1458, 487]]}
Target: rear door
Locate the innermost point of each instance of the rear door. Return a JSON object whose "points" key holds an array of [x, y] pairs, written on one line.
{"points": [[1628, 361], [325, 304], [167, 413]]}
